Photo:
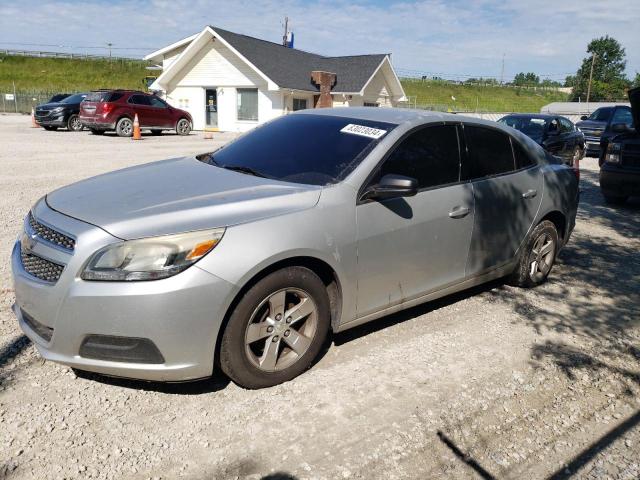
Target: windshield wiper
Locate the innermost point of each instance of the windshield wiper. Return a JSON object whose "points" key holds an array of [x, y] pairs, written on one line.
{"points": [[242, 169]]}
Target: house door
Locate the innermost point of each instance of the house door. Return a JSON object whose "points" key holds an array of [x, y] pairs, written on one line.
{"points": [[211, 108]]}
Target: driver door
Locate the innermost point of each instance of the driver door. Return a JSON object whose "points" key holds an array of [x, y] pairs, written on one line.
{"points": [[410, 246]]}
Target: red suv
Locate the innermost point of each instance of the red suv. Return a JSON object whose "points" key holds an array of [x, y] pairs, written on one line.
{"points": [[104, 110]]}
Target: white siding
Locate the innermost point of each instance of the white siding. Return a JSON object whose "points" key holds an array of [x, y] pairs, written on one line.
{"points": [[377, 91], [190, 99], [169, 57]]}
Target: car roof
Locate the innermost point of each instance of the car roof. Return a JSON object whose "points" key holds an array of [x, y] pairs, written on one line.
{"points": [[545, 116], [383, 114]]}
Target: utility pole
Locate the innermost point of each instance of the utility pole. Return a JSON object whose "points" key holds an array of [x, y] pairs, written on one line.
{"points": [[286, 32], [502, 72], [593, 61], [109, 44]]}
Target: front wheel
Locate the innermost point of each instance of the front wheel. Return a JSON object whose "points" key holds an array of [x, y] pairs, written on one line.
{"points": [[183, 127], [124, 127], [538, 256], [74, 124], [277, 329]]}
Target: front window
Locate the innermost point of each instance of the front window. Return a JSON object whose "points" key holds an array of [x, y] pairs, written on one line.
{"points": [[601, 115], [532, 127], [303, 148], [248, 104]]}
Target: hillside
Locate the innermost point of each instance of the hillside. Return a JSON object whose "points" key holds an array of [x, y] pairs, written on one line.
{"points": [[470, 98], [39, 77], [32, 74]]}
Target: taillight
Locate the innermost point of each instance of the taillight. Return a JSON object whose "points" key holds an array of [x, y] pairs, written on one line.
{"points": [[613, 153], [106, 107], [576, 169]]}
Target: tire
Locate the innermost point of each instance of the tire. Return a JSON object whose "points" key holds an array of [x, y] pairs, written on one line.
{"points": [[49, 128], [270, 358], [124, 127], [156, 132], [528, 274], [183, 127], [614, 200], [96, 132], [74, 124]]}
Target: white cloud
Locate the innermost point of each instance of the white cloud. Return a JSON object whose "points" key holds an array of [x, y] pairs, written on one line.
{"points": [[450, 37]]}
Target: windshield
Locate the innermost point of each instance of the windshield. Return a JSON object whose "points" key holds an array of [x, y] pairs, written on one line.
{"points": [[77, 98], [310, 149], [601, 115], [532, 127]]}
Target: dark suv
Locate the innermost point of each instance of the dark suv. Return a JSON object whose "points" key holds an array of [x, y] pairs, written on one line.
{"points": [[597, 127], [60, 113], [620, 170], [105, 110]]}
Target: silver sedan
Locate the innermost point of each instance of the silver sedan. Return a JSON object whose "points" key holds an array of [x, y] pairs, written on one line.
{"points": [[247, 257]]}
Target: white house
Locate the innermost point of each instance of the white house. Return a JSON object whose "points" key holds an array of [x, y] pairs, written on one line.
{"points": [[233, 82]]}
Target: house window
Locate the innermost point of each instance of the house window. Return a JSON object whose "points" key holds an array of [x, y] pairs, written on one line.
{"points": [[248, 104], [299, 104]]}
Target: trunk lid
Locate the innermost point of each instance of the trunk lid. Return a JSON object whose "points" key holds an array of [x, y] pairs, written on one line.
{"points": [[177, 195]]}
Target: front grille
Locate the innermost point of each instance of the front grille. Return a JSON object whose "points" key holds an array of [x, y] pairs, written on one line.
{"points": [[50, 235], [40, 268], [42, 113], [629, 161], [42, 330]]}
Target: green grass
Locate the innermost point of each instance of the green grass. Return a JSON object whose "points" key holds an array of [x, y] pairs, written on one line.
{"points": [[32, 74], [437, 95]]}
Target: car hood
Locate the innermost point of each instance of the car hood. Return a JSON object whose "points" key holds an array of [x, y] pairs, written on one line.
{"points": [[52, 105], [177, 195], [634, 99], [592, 124]]}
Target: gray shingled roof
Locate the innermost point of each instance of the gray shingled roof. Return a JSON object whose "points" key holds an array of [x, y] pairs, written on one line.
{"points": [[291, 68]]}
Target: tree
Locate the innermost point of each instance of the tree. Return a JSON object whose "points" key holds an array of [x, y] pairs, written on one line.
{"points": [[636, 81], [526, 79], [609, 80]]}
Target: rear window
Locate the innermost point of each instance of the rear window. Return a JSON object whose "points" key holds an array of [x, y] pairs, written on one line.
{"points": [[489, 150], [309, 149], [105, 96], [532, 127]]}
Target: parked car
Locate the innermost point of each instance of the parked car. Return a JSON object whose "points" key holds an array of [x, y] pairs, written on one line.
{"points": [[62, 113], [316, 221], [598, 125], [105, 110], [556, 134], [620, 170]]}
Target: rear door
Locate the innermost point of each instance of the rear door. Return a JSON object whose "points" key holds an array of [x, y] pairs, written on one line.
{"points": [[141, 105], [507, 189], [413, 245], [160, 113], [554, 142]]}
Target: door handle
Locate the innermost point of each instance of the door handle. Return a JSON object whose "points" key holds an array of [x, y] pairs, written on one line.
{"points": [[459, 212], [529, 194]]}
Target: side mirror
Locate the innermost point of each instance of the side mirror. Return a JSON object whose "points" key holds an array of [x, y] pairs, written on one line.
{"points": [[584, 117], [392, 186], [620, 128]]}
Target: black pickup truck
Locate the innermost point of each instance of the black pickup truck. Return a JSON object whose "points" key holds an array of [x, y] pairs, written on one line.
{"points": [[620, 170], [597, 127]]}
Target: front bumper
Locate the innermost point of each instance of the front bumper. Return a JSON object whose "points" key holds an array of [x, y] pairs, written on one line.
{"points": [[619, 181], [181, 315], [51, 121], [592, 146]]}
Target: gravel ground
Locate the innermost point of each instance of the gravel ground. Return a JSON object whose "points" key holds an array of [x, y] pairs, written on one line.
{"points": [[496, 382]]}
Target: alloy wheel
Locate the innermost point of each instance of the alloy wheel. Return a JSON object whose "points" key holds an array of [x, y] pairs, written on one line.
{"points": [[125, 128], [281, 329], [75, 124], [183, 127], [541, 257]]}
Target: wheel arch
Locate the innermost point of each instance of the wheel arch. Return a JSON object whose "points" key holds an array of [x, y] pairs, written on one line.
{"points": [[559, 219], [326, 272]]}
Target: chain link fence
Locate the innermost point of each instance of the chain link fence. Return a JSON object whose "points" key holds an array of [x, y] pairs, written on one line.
{"points": [[22, 102]]}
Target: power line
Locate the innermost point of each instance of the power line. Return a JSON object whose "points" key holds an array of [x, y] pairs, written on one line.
{"points": [[101, 47]]}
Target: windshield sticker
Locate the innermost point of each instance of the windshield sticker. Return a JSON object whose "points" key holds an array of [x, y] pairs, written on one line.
{"points": [[363, 131]]}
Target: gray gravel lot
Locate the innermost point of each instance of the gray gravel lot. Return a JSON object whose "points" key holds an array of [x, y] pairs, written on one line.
{"points": [[496, 382]]}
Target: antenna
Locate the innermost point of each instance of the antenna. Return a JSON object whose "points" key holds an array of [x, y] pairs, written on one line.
{"points": [[285, 37], [502, 72]]}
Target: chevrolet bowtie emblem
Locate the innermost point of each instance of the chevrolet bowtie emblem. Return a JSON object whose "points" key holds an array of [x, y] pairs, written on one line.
{"points": [[28, 241]]}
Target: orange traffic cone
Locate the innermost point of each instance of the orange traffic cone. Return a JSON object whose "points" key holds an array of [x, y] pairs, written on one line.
{"points": [[33, 119], [136, 129]]}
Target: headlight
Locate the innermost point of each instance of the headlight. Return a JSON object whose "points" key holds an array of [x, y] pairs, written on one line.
{"points": [[57, 110], [150, 258], [613, 153]]}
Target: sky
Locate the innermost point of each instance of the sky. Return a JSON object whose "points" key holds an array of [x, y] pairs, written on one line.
{"points": [[451, 39]]}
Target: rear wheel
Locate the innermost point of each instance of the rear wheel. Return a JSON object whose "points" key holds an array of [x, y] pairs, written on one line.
{"points": [[95, 131], [49, 128], [614, 200], [74, 124], [183, 127], [277, 329], [124, 127], [538, 256]]}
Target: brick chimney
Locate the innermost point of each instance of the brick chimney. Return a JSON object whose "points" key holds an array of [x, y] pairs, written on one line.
{"points": [[325, 82]]}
